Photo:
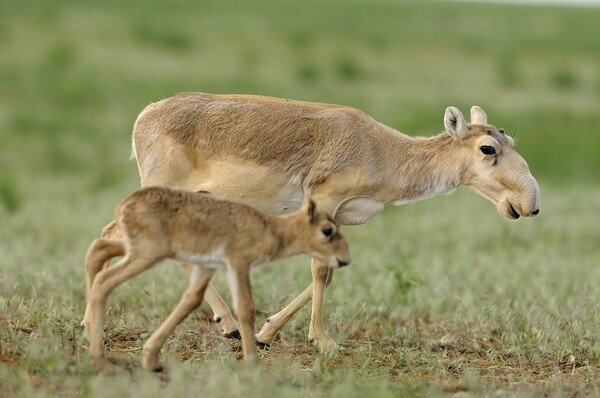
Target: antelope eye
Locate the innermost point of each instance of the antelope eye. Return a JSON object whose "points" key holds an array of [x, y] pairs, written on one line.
{"points": [[327, 232], [488, 150]]}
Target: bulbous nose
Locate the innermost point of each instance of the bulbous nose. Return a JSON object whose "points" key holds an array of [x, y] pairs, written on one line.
{"points": [[342, 263]]}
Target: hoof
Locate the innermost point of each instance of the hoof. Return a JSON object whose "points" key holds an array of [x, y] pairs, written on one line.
{"points": [[263, 346], [326, 344], [233, 335], [153, 366], [158, 368]]}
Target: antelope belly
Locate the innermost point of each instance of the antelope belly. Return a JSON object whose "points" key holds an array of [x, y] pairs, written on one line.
{"points": [[265, 188], [357, 211]]}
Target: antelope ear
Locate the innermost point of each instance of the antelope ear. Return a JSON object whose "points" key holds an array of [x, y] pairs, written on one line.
{"points": [[478, 116], [455, 123]]}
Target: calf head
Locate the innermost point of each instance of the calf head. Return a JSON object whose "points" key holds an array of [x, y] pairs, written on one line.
{"points": [[321, 237]]}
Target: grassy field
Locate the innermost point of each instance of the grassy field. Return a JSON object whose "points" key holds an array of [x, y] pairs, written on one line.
{"points": [[444, 297]]}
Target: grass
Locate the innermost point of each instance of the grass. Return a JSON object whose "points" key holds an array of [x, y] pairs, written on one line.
{"points": [[443, 298]]}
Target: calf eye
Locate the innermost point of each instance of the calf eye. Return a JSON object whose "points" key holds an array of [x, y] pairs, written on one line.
{"points": [[488, 150], [327, 232]]}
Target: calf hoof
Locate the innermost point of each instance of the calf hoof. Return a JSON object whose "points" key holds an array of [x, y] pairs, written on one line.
{"points": [[233, 335]]}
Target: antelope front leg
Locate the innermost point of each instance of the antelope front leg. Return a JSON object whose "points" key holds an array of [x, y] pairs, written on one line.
{"points": [[222, 314], [322, 276], [275, 322]]}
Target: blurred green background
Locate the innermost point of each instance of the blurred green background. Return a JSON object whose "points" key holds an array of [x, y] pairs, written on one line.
{"points": [[75, 74]]}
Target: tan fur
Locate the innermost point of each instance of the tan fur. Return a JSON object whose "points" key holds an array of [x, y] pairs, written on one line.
{"points": [[271, 152], [158, 223]]}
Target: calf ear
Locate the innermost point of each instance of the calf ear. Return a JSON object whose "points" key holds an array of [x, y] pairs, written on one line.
{"points": [[478, 116], [455, 123], [310, 208]]}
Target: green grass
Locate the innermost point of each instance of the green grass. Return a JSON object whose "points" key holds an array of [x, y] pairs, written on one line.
{"points": [[443, 297]]}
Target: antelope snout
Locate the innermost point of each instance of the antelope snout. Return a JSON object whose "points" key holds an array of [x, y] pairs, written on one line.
{"points": [[342, 263], [533, 213]]}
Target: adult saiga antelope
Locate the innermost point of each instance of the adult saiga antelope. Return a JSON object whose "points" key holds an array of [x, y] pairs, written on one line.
{"points": [[158, 223], [271, 152]]}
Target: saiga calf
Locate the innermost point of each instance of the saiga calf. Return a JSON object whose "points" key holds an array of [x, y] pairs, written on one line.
{"points": [[209, 233]]}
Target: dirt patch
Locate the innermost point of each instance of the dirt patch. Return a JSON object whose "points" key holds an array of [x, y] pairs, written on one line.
{"points": [[7, 356], [449, 356]]}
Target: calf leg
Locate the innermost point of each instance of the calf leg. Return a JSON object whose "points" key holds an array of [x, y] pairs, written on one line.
{"points": [[191, 299], [322, 276], [244, 307], [109, 233], [222, 314], [104, 283], [99, 253]]}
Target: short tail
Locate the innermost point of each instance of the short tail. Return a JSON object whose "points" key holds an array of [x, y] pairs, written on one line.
{"points": [[111, 230]]}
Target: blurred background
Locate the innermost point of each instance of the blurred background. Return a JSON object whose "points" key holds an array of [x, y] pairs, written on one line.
{"points": [[74, 76]]}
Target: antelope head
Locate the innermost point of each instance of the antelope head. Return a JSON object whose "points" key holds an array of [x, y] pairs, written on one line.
{"points": [[491, 166]]}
